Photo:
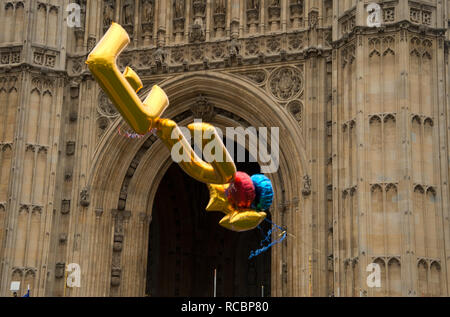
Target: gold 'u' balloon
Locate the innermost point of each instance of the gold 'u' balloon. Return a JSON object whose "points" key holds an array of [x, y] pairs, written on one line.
{"points": [[143, 116]]}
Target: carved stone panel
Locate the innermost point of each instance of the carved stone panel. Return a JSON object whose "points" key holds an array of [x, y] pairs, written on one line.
{"points": [[286, 83], [203, 109], [60, 268], [70, 148], [295, 108], [85, 198], [116, 273], [65, 207]]}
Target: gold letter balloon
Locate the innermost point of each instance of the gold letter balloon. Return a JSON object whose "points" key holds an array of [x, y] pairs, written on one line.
{"points": [[144, 116]]}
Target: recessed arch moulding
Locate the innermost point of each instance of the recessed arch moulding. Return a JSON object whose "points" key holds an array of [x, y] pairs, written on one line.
{"points": [[125, 175]]}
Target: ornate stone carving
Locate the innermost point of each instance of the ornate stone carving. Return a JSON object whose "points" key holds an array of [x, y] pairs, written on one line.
{"points": [[60, 268], [68, 176], [85, 198], [426, 17], [144, 59], [147, 19], [70, 148], [252, 47], [62, 238], [77, 65], [197, 54], [203, 109], [218, 50], [38, 58], [389, 14], [65, 207], [4, 58], [296, 41], [178, 19], [415, 15], [102, 124], [10, 55], [234, 48], [253, 15], [105, 107], [128, 12], [219, 17], [306, 191], [91, 43], [296, 10], [98, 212], [295, 108], [313, 18], [197, 32], [274, 12], [118, 241], [148, 8], [50, 61], [15, 57], [177, 55], [108, 13], [125, 60], [258, 76], [160, 57], [82, 4], [286, 83], [116, 273], [273, 44]]}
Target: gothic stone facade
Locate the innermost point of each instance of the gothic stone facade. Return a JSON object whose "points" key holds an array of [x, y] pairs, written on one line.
{"points": [[364, 149]]}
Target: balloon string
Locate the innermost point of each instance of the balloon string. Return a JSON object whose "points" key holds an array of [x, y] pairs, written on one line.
{"points": [[129, 135], [267, 240]]}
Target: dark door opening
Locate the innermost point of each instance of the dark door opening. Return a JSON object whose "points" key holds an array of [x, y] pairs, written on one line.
{"points": [[186, 244]]}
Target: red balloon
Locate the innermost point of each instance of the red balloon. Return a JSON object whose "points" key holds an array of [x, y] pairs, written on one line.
{"points": [[241, 192]]}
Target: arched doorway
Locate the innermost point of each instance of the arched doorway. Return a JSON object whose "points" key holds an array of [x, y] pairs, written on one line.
{"points": [[126, 175], [186, 244]]}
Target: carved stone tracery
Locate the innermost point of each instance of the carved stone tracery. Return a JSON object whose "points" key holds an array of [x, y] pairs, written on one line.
{"points": [[286, 83], [203, 109]]}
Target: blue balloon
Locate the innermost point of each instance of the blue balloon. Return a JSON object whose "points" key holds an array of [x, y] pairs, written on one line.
{"points": [[264, 192]]}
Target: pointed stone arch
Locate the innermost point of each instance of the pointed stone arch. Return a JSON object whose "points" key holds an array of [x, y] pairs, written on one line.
{"points": [[394, 276], [125, 173]]}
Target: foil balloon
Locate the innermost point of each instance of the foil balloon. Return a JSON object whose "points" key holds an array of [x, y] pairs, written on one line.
{"points": [[241, 192], [236, 219], [145, 116], [240, 221], [263, 192]]}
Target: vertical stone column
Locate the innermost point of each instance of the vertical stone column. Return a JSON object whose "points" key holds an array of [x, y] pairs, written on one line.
{"points": [[164, 26], [446, 185]]}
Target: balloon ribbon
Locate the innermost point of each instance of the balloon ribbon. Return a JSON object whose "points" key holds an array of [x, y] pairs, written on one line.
{"points": [[264, 248]]}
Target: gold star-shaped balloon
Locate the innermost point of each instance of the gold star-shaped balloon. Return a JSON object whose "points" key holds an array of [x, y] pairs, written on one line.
{"points": [[244, 220], [236, 220], [218, 200]]}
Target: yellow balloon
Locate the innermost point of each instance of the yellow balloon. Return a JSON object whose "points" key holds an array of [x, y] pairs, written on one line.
{"points": [[216, 172], [133, 79], [218, 200], [241, 221], [121, 89]]}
